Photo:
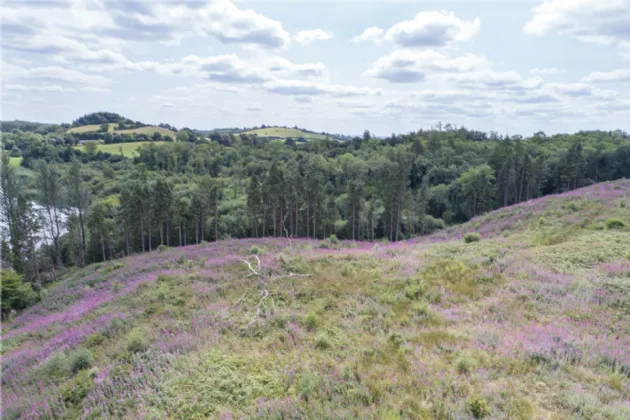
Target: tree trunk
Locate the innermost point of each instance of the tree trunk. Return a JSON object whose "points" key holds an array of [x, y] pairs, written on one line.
{"points": [[82, 226], [150, 241], [161, 223], [308, 217], [126, 236], [203, 225], [168, 230], [180, 234], [142, 233], [216, 221], [102, 243]]}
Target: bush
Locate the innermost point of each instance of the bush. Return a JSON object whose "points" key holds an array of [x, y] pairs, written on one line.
{"points": [[162, 247], [322, 341], [333, 239], [135, 343], [478, 406], [615, 224], [254, 250], [81, 359], [472, 237], [465, 364], [15, 294], [310, 321]]}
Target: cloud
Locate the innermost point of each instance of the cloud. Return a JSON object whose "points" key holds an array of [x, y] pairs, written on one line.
{"points": [[167, 105], [373, 34], [43, 88], [497, 80], [547, 71], [428, 29], [409, 66], [254, 108], [95, 89], [307, 37], [306, 88], [596, 21], [619, 75]]}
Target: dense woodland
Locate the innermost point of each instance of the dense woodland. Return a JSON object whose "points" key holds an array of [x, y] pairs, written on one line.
{"points": [[86, 207]]}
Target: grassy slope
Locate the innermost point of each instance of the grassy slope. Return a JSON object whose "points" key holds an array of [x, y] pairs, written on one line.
{"points": [[128, 149], [15, 161], [141, 130], [531, 322], [284, 133]]}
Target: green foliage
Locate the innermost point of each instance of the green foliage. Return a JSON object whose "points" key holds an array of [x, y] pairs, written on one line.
{"points": [[478, 407], [16, 295], [472, 237], [254, 250], [322, 341], [465, 364], [80, 359], [310, 321], [615, 224], [74, 391], [135, 342]]}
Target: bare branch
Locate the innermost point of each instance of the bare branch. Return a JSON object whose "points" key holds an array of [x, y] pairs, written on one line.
{"points": [[254, 272]]}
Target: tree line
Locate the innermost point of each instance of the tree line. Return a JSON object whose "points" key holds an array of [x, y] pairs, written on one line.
{"points": [[65, 208]]}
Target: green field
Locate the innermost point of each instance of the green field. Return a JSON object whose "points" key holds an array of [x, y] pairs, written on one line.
{"points": [[141, 130], [128, 149], [284, 133], [15, 161]]}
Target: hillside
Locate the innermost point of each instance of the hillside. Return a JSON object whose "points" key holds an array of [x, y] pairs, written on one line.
{"points": [[281, 132], [113, 128], [532, 321]]}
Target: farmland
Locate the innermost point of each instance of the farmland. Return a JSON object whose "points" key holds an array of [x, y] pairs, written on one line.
{"points": [[285, 133], [15, 161], [528, 318], [128, 149], [113, 129]]}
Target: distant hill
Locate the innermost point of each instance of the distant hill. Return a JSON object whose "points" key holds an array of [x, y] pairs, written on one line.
{"points": [[283, 133], [113, 128]]}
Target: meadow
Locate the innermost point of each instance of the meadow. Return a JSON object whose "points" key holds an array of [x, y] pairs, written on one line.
{"points": [[284, 133], [113, 129], [15, 161], [128, 149], [521, 313]]}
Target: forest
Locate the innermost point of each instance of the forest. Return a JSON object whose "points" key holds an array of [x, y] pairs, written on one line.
{"points": [[64, 207]]}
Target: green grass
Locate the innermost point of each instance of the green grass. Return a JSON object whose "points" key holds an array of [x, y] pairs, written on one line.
{"points": [[284, 133], [15, 161], [515, 326], [113, 128], [128, 149]]}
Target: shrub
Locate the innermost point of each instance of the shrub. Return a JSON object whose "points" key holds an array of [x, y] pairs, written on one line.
{"points": [[254, 250], [465, 364], [135, 342], [81, 359], [615, 224], [478, 406], [322, 341], [310, 321], [308, 385], [416, 289], [333, 239], [15, 294], [472, 237], [56, 366], [348, 270], [162, 247], [77, 389]]}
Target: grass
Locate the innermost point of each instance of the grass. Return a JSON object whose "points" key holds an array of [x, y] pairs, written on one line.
{"points": [[284, 133], [15, 161], [128, 149], [113, 128], [513, 326]]}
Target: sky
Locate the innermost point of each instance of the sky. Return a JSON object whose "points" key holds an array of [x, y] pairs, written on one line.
{"points": [[515, 67]]}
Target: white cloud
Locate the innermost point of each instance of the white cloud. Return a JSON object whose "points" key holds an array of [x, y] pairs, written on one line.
{"points": [[41, 88], [167, 105], [497, 81], [373, 34], [619, 75], [307, 37], [409, 66], [547, 71], [427, 29], [305, 88], [597, 21], [254, 108], [95, 89]]}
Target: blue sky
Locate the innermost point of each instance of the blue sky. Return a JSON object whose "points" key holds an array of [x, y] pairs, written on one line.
{"points": [[336, 66]]}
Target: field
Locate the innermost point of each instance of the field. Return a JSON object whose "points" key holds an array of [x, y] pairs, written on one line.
{"points": [[527, 319], [128, 149], [15, 161], [284, 133], [142, 130]]}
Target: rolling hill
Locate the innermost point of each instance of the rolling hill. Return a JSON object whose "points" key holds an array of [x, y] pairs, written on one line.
{"points": [[529, 319], [128, 149], [280, 132], [113, 129]]}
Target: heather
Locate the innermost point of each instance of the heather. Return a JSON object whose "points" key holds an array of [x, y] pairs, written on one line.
{"points": [[530, 320]]}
